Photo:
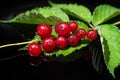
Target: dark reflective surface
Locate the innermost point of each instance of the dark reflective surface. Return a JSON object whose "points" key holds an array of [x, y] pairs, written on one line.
{"points": [[19, 68]]}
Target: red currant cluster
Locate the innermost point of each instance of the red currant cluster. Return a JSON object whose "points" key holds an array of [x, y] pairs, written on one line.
{"points": [[68, 35]]}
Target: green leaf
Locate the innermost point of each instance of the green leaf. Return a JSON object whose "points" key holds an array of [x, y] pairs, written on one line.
{"points": [[68, 58], [66, 53], [79, 11], [104, 13], [49, 15], [110, 39], [69, 50]]}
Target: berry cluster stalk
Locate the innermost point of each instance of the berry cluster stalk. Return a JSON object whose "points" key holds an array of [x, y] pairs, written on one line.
{"points": [[17, 44]]}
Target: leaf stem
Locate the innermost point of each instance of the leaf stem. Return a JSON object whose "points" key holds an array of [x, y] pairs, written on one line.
{"points": [[116, 23], [92, 26], [17, 44]]}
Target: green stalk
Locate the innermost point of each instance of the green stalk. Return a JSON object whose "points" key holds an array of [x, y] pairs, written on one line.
{"points": [[17, 44]]}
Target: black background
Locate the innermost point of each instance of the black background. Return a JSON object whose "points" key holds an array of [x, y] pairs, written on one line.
{"points": [[19, 68]]}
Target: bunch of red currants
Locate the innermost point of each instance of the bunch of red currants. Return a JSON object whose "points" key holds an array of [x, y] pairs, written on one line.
{"points": [[68, 34]]}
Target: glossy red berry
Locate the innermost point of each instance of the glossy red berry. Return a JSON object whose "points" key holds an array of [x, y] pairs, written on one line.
{"points": [[92, 34], [73, 40], [62, 29], [61, 42], [44, 30], [34, 49], [48, 44], [73, 26], [81, 33]]}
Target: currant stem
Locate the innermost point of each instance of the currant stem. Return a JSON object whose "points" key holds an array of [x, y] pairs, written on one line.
{"points": [[17, 44], [92, 26], [116, 23]]}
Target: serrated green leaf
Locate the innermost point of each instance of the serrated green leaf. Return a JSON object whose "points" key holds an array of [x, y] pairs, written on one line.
{"points": [[69, 50], [69, 58], [62, 53], [79, 11], [110, 39], [103, 13], [49, 15]]}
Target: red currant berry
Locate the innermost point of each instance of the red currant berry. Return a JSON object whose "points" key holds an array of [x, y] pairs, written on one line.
{"points": [[73, 26], [81, 33], [44, 30], [48, 44], [73, 40], [61, 42], [92, 34], [34, 49], [62, 29]]}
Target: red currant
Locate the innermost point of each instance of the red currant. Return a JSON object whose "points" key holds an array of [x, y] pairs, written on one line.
{"points": [[34, 49], [44, 30], [62, 29], [73, 40], [81, 33], [61, 42], [92, 34], [48, 44], [73, 26]]}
